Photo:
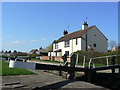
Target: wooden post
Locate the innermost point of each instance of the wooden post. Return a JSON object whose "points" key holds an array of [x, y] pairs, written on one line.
{"points": [[119, 70], [76, 60], [90, 73], [107, 61], [73, 60], [53, 58], [113, 63], [60, 72], [64, 57], [72, 64], [89, 76]]}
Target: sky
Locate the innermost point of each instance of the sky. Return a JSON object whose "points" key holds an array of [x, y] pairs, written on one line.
{"points": [[31, 25]]}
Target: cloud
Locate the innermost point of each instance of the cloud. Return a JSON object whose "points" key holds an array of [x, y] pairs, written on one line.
{"points": [[21, 42], [44, 39], [7, 37], [33, 40], [17, 42]]}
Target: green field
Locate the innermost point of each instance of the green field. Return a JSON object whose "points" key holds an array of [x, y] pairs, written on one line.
{"points": [[13, 71]]}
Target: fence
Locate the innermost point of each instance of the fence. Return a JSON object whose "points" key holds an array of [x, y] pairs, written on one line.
{"points": [[89, 71], [97, 61]]}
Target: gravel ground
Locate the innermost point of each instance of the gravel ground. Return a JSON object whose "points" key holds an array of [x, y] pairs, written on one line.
{"points": [[43, 80]]}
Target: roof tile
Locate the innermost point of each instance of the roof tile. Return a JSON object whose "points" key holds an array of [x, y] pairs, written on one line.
{"points": [[73, 35]]}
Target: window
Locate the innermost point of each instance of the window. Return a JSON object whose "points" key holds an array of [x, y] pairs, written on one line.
{"points": [[67, 53], [56, 45], [67, 43], [55, 53], [94, 45], [76, 41]]}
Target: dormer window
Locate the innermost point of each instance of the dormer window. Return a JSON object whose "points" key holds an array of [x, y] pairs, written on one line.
{"points": [[67, 43]]}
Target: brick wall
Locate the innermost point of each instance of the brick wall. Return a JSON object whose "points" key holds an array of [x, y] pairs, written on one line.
{"points": [[56, 58], [45, 58]]}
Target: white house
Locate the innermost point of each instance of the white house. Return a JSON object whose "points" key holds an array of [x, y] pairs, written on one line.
{"points": [[89, 38]]}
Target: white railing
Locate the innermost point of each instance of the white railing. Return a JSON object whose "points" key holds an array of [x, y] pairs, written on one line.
{"points": [[84, 59], [107, 59], [88, 60], [91, 60]]}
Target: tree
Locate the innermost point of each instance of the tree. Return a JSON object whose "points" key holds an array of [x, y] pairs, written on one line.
{"points": [[48, 48], [9, 51], [112, 44], [14, 51], [2, 51], [6, 51]]}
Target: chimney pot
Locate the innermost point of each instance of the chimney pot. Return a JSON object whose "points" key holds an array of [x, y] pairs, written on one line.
{"points": [[65, 32], [84, 25]]}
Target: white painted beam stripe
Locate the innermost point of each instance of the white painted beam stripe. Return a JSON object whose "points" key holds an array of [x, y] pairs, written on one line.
{"points": [[22, 65]]}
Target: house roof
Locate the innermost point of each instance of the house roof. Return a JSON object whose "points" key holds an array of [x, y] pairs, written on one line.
{"points": [[73, 35], [51, 50], [58, 50]]}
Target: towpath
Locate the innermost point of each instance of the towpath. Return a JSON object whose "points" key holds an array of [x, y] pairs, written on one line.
{"points": [[43, 80]]}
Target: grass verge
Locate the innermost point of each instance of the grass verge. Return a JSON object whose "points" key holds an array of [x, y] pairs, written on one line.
{"points": [[13, 71], [79, 64]]}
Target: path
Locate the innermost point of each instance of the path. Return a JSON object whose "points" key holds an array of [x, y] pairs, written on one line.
{"points": [[43, 80]]}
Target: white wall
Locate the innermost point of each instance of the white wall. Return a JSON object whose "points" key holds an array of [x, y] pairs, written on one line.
{"points": [[84, 26], [65, 48], [95, 36], [72, 48], [50, 54], [78, 46]]}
